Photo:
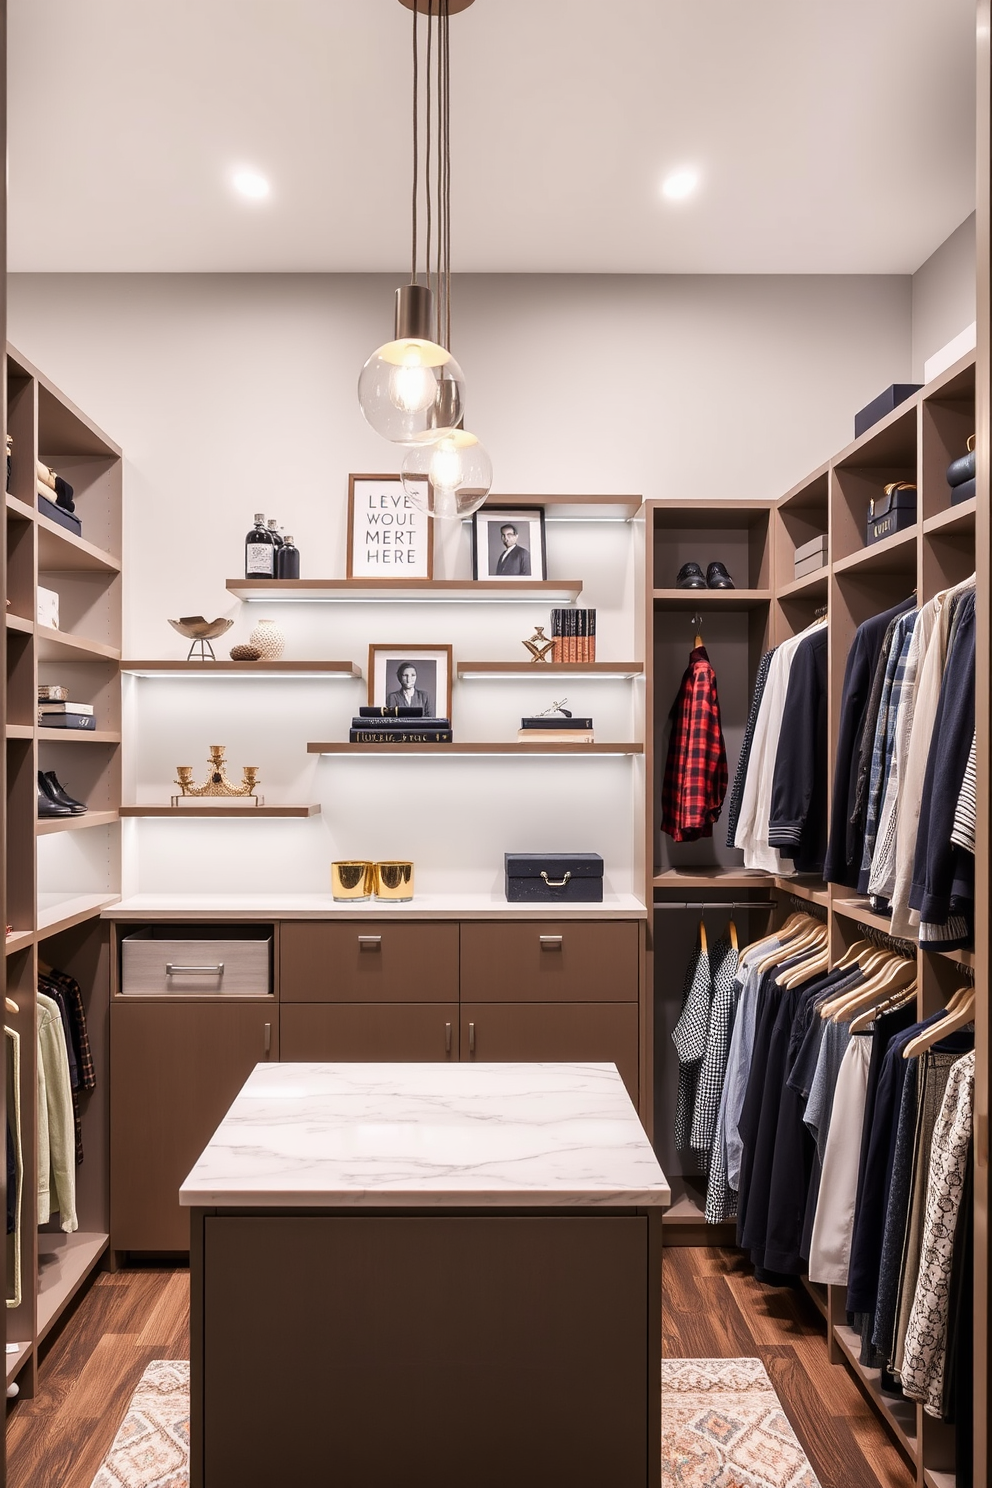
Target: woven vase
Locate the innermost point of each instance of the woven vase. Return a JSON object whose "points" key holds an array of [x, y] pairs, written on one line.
{"points": [[268, 640]]}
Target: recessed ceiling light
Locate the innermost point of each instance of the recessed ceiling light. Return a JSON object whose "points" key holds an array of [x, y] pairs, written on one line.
{"points": [[250, 183], [680, 183]]}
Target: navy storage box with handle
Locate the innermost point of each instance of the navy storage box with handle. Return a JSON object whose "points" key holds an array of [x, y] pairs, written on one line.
{"points": [[548, 878], [891, 512], [883, 404]]}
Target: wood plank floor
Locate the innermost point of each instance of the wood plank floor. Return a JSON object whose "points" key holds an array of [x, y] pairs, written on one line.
{"points": [[712, 1308]]}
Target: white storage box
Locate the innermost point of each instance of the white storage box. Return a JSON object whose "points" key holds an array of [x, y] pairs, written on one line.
{"points": [[48, 608], [197, 960]]}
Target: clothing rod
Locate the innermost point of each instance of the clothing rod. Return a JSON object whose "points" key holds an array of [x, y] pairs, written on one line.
{"points": [[717, 904]]}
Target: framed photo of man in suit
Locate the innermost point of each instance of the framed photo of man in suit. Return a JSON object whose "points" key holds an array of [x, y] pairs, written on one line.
{"points": [[404, 676], [508, 543]]}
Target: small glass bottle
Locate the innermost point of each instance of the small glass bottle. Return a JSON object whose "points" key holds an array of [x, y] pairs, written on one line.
{"points": [[260, 551], [276, 540], [288, 560]]}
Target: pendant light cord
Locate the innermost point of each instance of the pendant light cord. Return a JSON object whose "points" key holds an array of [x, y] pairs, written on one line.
{"points": [[414, 278], [427, 152], [447, 177]]}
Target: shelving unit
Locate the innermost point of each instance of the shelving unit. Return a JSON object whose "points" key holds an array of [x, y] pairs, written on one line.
{"points": [[494, 671], [213, 670], [215, 812], [551, 746], [56, 920], [405, 591], [916, 442]]}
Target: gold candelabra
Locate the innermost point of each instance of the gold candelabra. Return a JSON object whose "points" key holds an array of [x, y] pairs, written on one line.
{"points": [[217, 783]]}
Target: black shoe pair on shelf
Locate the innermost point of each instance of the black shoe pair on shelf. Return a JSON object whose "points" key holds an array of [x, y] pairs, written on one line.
{"points": [[54, 799], [691, 576]]}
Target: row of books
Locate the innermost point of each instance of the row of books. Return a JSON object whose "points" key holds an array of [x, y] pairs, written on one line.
{"points": [[574, 634], [393, 727], [66, 715]]}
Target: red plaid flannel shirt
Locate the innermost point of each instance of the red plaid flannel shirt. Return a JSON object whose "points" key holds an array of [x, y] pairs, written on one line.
{"points": [[696, 769]]}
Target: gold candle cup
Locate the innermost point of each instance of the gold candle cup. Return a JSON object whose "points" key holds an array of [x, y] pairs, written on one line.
{"points": [[394, 881], [352, 880]]}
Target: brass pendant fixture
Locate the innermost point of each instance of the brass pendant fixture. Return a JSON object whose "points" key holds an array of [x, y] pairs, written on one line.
{"points": [[411, 390]]}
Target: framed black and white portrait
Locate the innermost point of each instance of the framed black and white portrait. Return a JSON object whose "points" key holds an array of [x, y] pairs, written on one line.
{"points": [[405, 676], [508, 543]]}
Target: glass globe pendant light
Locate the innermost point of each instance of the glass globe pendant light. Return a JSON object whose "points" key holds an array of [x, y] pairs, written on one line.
{"points": [[448, 474], [411, 390]]}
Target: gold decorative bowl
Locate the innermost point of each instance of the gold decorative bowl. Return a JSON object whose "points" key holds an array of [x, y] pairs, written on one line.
{"points": [[196, 628]]}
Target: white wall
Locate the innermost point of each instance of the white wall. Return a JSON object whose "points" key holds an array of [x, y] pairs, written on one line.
{"points": [[944, 294], [236, 393]]}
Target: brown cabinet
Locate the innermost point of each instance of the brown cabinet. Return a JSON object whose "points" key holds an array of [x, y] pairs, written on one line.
{"points": [[369, 1032], [175, 1068], [585, 1031], [368, 961], [549, 961]]}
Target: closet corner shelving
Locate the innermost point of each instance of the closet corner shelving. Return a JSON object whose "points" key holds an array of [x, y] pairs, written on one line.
{"points": [[54, 895], [757, 541]]}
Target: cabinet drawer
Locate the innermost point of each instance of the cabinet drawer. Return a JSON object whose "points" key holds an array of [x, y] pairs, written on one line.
{"points": [[597, 1033], [368, 961], [371, 1033], [549, 961], [160, 960]]}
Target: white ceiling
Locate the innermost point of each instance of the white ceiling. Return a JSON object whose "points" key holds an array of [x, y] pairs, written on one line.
{"points": [[833, 136]]}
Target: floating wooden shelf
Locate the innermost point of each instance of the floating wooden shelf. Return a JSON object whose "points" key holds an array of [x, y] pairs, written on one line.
{"points": [[403, 591], [59, 645], [20, 508], [493, 671], [960, 518], [20, 731], [575, 508], [215, 810], [61, 551], [77, 736], [711, 599], [892, 555], [269, 669], [812, 889], [46, 825], [550, 746]]}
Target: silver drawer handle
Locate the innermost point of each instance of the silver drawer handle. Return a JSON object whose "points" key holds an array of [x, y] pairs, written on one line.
{"points": [[447, 1038], [370, 942], [471, 1038], [555, 883], [550, 942], [171, 970]]}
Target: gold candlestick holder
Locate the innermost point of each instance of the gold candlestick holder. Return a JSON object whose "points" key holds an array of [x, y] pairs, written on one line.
{"points": [[217, 783]]}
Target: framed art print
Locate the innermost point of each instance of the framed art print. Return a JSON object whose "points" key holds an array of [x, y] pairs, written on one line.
{"points": [[388, 537], [508, 543], [406, 676]]}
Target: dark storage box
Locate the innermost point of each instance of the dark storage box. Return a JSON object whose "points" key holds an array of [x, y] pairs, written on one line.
{"points": [[883, 404], [58, 514], [565, 878], [890, 512], [963, 492], [961, 470]]}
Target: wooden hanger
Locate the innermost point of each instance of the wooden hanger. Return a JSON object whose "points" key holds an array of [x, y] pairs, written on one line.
{"points": [[10, 1005], [732, 933], [852, 953], [783, 932], [963, 1013], [896, 977], [44, 967], [866, 1019], [805, 972], [702, 937], [794, 946], [871, 960]]}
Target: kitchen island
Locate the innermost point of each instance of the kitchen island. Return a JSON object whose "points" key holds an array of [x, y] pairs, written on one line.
{"points": [[427, 1276]]}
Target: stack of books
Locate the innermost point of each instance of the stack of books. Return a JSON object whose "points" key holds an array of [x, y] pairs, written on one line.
{"points": [[66, 715], [574, 633], [398, 726], [557, 726]]}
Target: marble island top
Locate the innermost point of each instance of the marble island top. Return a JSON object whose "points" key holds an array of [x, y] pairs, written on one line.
{"points": [[461, 906], [471, 1135]]}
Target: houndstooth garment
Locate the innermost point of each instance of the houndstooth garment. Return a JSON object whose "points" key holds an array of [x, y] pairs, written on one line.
{"points": [[925, 1352], [724, 961], [689, 1038]]}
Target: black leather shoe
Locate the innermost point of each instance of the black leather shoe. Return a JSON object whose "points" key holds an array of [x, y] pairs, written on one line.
{"points": [[717, 577], [46, 806], [58, 793], [690, 576]]}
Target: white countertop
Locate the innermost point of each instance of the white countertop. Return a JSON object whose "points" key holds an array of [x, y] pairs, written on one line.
{"points": [[405, 1135], [323, 907]]}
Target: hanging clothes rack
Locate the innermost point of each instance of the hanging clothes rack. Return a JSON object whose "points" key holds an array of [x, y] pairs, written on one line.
{"points": [[730, 904]]}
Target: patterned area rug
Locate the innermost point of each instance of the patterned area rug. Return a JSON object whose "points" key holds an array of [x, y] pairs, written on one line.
{"points": [[151, 1450], [722, 1427]]}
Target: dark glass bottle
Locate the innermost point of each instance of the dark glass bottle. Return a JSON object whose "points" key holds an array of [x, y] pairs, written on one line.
{"points": [[277, 540], [260, 551], [288, 560]]}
